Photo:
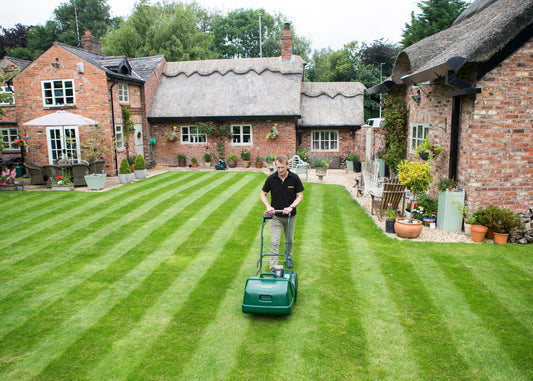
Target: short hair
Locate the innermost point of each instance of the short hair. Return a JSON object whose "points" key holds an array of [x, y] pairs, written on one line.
{"points": [[282, 159]]}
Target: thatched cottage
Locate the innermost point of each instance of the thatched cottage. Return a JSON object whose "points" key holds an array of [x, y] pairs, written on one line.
{"points": [[470, 89]]}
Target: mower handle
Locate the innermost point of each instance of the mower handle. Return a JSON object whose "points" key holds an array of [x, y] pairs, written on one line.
{"points": [[279, 213]]}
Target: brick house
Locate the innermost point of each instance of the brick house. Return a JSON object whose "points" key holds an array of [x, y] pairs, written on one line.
{"points": [[85, 82], [470, 89], [250, 96]]}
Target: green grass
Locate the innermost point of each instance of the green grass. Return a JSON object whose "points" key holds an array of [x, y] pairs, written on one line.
{"points": [[146, 282]]}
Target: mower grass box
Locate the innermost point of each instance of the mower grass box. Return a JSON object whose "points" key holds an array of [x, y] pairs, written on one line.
{"points": [[268, 294]]}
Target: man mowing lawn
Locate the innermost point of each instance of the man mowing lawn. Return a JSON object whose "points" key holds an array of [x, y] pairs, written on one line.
{"points": [[286, 192]]}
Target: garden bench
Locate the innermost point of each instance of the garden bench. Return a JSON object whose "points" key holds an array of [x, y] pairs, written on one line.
{"points": [[297, 165], [373, 184]]}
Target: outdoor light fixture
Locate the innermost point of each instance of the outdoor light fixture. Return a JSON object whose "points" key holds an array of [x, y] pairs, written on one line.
{"points": [[416, 97], [56, 63]]}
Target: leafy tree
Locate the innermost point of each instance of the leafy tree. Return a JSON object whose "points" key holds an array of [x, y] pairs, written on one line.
{"points": [[436, 15], [13, 37], [179, 31], [39, 38]]}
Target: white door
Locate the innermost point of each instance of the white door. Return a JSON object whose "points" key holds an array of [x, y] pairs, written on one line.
{"points": [[63, 143], [139, 146]]}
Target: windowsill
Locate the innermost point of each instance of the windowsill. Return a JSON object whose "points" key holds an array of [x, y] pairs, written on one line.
{"points": [[49, 107]]}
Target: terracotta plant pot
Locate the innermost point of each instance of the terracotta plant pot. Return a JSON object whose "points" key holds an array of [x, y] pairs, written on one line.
{"points": [[259, 164], [501, 238], [478, 232], [411, 229], [232, 164]]}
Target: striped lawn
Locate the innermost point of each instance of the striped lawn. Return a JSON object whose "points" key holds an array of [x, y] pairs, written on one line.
{"points": [[146, 282]]}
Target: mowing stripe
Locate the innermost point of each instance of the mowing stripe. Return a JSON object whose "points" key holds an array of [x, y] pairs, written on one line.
{"points": [[476, 344], [515, 338], [57, 290], [386, 338], [52, 345], [46, 267], [145, 333]]}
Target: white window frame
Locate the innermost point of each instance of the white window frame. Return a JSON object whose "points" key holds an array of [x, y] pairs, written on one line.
{"points": [[325, 141], [58, 96], [192, 135], [119, 136], [123, 92], [8, 136], [239, 136], [8, 90], [61, 144], [417, 136]]}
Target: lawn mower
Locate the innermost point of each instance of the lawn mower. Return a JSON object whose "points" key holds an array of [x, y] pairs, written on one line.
{"points": [[274, 292]]}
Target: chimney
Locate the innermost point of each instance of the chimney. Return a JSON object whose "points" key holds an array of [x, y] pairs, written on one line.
{"points": [[286, 43], [91, 43]]}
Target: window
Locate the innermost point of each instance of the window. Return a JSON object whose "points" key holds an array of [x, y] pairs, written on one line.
{"points": [[9, 135], [241, 135], [123, 93], [190, 134], [7, 97], [119, 136], [63, 143], [58, 93], [419, 131], [325, 141]]}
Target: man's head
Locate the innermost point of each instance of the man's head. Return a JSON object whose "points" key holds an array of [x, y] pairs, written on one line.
{"points": [[282, 165]]}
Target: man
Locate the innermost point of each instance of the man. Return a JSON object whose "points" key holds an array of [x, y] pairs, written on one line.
{"points": [[286, 192]]}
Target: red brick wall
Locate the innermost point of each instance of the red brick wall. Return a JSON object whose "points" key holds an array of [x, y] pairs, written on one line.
{"points": [[165, 153], [495, 164]]}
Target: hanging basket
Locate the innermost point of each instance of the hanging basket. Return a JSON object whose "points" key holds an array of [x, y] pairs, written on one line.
{"points": [[423, 155]]}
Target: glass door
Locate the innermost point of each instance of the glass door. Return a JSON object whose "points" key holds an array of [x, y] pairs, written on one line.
{"points": [[63, 143]]}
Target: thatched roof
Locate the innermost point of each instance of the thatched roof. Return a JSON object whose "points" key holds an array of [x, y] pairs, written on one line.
{"points": [[230, 88], [482, 33], [332, 104]]}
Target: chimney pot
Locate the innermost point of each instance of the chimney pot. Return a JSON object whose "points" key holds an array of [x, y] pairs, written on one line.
{"points": [[91, 43], [286, 43]]}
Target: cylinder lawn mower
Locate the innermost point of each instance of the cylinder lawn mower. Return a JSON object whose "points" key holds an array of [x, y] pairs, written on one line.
{"points": [[271, 293]]}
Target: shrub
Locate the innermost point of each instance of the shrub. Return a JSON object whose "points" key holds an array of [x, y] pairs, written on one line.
{"points": [[139, 163], [415, 175], [124, 167], [232, 158], [207, 157]]}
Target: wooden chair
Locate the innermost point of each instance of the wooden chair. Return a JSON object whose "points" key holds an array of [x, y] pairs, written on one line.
{"points": [[297, 165], [78, 172], [393, 193], [37, 174], [52, 171]]}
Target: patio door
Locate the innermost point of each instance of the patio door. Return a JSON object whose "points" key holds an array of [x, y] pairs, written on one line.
{"points": [[139, 147], [63, 143]]}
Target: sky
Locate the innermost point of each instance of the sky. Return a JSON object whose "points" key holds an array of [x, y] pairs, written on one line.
{"points": [[329, 24]]}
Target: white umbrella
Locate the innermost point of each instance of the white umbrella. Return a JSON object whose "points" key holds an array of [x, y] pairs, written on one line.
{"points": [[61, 118]]}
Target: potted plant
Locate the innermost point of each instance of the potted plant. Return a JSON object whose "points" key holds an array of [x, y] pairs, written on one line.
{"points": [[273, 133], [207, 159], [245, 156], [194, 162], [140, 168], [450, 219], [269, 159], [428, 151], [124, 172], [258, 162], [351, 161], [63, 182], [478, 228], [232, 161], [429, 207], [501, 221], [182, 160], [321, 165], [390, 216]]}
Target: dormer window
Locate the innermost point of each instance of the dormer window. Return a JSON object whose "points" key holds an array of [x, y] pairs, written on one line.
{"points": [[123, 93]]}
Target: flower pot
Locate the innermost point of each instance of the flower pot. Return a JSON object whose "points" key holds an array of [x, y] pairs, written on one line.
{"points": [[450, 219], [246, 163], [195, 165], [259, 164], [207, 165], [467, 229], [500, 238], [478, 232], [232, 164], [407, 228], [424, 155], [182, 163], [125, 178], [141, 173], [349, 166], [95, 181], [62, 187], [389, 226]]}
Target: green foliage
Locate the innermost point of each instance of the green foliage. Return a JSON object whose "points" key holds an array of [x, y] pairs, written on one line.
{"points": [[139, 163], [320, 162], [181, 157], [212, 130], [415, 175], [352, 156], [94, 147], [303, 153], [124, 167], [232, 158], [445, 184], [427, 202], [436, 15], [207, 157], [499, 220], [394, 131], [245, 154]]}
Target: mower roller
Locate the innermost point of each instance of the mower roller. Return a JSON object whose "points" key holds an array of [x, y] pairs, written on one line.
{"points": [[274, 292]]}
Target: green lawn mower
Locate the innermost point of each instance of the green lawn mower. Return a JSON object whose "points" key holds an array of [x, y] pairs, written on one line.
{"points": [[274, 292]]}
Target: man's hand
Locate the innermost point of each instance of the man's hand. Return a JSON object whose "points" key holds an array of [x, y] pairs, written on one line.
{"points": [[271, 210]]}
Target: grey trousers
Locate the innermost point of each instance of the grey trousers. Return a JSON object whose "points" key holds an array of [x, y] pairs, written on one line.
{"points": [[277, 225]]}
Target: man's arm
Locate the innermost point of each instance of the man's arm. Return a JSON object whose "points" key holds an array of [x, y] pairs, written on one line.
{"points": [[290, 208], [264, 199]]}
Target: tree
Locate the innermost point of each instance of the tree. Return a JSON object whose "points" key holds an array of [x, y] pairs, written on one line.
{"points": [[436, 15], [39, 38], [13, 37], [237, 35], [179, 31]]}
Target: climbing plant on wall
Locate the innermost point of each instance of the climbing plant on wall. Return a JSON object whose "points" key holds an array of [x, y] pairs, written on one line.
{"points": [[394, 131]]}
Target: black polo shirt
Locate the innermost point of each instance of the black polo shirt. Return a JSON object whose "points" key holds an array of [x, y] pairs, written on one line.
{"points": [[283, 193]]}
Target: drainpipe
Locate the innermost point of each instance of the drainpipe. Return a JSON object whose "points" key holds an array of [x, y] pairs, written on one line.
{"points": [[113, 126], [454, 137]]}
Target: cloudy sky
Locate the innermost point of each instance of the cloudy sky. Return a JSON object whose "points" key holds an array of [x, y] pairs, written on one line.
{"points": [[326, 24]]}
